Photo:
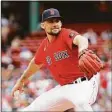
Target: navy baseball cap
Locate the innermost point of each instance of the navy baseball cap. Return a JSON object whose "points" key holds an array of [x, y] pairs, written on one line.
{"points": [[50, 13]]}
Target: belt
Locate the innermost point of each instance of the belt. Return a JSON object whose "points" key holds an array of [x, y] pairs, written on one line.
{"points": [[79, 80]]}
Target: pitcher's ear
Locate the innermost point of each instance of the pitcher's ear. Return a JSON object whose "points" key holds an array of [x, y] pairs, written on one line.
{"points": [[61, 24], [42, 25]]}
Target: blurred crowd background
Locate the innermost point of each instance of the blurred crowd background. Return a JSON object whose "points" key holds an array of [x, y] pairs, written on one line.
{"points": [[21, 36]]}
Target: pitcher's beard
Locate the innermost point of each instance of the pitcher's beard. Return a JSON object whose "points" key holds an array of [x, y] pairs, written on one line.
{"points": [[54, 33]]}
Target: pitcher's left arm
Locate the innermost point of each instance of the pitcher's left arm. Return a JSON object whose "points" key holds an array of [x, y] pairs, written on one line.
{"points": [[89, 63]]}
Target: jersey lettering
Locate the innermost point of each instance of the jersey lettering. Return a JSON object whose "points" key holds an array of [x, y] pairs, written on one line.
{"points": [[61, 55], [57, 56]]}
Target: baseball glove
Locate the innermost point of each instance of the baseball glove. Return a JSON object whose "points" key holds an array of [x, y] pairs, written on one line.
{"points": [[89, 63]]}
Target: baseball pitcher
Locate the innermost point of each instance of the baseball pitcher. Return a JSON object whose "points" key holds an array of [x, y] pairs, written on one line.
{"points": [[65, 53]]}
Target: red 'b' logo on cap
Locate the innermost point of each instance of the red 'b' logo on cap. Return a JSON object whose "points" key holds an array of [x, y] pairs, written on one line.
{"points": [[52, 12]]}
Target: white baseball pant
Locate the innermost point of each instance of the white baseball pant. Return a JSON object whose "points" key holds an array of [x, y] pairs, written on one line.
{"points": [[78, 95]]}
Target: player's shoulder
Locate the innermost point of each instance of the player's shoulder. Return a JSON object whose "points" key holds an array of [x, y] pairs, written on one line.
{"points": [[44, 40], [42, 44], [68, 31]]}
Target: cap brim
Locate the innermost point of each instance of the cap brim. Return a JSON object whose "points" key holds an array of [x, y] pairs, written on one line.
{"points": [[52, 17]]}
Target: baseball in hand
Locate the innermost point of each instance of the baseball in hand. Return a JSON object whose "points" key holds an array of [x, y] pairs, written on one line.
{"points": [[16, 95]]}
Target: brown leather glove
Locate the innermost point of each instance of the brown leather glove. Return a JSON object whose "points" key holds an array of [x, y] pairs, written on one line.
{"points": [[89, 63]]}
